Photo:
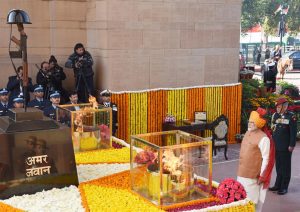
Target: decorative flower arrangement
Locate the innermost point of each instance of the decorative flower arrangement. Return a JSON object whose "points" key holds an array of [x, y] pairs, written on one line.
{"points": [[104, 134], [146, 157], [114, 192], [230, 190], [170, 119], [88, 142], [117, 145], [173, 165], [289, 89]]}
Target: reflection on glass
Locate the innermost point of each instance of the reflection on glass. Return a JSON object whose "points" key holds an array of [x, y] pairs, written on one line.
{"points": [[90, 126]]}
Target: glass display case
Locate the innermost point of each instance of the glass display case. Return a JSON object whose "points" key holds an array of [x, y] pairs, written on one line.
{"points": [[171, 167], [91, 128]]}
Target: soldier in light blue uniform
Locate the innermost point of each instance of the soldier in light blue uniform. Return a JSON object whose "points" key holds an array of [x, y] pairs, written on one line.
{"points": [[18, 101], [39, 101], [106, 102], [50, 111], [4, 106]]}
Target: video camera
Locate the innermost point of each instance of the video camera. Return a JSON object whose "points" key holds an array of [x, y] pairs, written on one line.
{"points": [[81, 62]]}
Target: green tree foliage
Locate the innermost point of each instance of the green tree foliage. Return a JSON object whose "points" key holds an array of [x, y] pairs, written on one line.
{"points": [[263, 12]]}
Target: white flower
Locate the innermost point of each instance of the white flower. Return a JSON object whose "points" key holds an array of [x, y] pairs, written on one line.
{"points": [[67, 199], [90, 172]]}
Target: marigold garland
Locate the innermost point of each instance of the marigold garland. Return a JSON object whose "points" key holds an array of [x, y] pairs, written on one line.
{"points": [[114, 191], [119, 200], [103, 156], [7, 208], [144, 112]]}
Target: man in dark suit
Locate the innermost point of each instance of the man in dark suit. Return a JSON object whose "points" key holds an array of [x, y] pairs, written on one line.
{"points": [[284, 125], [73, 97], [4, 106], [14, 85], [106, 102], [57, 76], [39, 101], [269, 75], [50, 111]]}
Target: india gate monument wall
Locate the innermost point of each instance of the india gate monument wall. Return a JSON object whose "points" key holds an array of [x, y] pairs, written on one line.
{"points": [[56, 27], [136, 44]]}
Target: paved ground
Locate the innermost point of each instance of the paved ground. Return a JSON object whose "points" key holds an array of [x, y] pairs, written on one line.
{"points": [[274, 203]]}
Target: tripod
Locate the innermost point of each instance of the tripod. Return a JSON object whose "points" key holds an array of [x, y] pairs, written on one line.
{"points": [[49, 88], [86, 89]]}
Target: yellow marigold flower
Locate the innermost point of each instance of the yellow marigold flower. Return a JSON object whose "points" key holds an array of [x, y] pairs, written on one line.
{"points": [[104, 156], [113, 199]]}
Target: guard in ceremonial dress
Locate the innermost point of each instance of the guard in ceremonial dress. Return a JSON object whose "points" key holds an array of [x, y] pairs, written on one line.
{"points": [[284, 125]]}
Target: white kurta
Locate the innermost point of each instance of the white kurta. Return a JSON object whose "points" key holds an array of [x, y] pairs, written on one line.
{"points": [[255, 192]]}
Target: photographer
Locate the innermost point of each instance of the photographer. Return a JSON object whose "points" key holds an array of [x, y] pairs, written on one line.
{"points": [[81, 62], [44, 79], [57, 76], [14, 85]]}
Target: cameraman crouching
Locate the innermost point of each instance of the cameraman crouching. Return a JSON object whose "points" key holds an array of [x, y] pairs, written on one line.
{"points": [[58, 75], [81, 61]]}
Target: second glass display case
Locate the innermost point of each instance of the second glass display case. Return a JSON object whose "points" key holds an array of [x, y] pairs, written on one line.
{"points": [[91, 128]]}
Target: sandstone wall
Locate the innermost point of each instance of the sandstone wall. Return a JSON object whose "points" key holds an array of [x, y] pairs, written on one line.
{"points": [[136, 44]]}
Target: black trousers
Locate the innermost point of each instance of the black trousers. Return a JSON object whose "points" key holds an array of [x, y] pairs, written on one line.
{"points": [[283, 169], [82, 88]]}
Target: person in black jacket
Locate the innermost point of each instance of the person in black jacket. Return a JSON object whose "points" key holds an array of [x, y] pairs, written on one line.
{"points": [[284, 125], [39, 101], [43, 78], [269, 72], [81, 62], [73, 97], [14, 85], [57, 76], [4, 105]]}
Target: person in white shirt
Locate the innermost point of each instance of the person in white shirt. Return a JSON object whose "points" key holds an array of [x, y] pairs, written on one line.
{"points": [[257, 157]]}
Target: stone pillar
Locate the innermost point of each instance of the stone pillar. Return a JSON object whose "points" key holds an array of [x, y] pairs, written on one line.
{"points": [[56, 27]]}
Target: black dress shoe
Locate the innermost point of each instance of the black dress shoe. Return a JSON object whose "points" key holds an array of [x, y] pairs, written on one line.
{"points": [[274, 188], [282, 192]]}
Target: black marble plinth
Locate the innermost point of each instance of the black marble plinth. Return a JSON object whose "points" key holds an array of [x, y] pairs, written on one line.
{"points": [[19, 114], [37, 155]]}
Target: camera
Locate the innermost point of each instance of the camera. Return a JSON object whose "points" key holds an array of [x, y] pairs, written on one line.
{"points": [[81, 62]]}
